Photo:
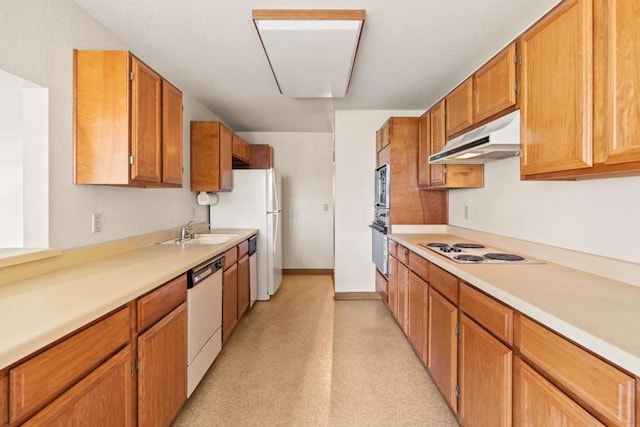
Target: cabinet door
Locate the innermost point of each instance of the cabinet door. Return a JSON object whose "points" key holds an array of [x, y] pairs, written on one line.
{"points": [[485, 377], [459, 111], [424, 150], [229, 301], [403, 294], [443, 345], [622, 107], [145, 123], [437, 142], [392, 286], [243, 285], [4, 397], [538, 403], [494, 85], [226, 150], [385, 134], [105, 395], [171, 134], [417, 297], [557, 85], [162, 378], [381, 285]]}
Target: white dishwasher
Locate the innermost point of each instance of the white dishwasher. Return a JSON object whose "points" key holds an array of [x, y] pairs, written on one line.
{"points": [[204, 319]]}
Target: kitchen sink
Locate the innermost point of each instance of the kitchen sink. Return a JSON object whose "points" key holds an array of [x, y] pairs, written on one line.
{"points": [[204, 239]]}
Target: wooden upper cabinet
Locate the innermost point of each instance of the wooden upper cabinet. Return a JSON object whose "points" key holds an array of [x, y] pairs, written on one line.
{"points": [[494, 85], [211, 151], [617, 58], [172, 165], [438, 139], [424, 150], [557, 88], [241, 150], [119, 120], [459, 108], [385, 134]]}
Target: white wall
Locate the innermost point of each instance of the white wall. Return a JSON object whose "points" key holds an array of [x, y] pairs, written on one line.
{"points": [[36, 39], [355, 161], [305, 161], [598, 216]]}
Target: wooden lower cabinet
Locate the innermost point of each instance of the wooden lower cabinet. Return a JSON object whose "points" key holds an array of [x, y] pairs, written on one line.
{"points": [[101, 398], [162, 376], [381, 286], [229, 301], [403, 295], [392, 286], [537, 402], [243, 285], [4, 397], [443, 346], [417, 299], [485, 377]]}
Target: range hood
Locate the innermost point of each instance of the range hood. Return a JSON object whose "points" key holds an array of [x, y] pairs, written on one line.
{"points": [[498, 139]]}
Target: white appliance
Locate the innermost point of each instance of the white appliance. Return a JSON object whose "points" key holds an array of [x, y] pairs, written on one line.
{"points": [[254, 202], [253, 270], [204, 319], [476, 253], [498, 139]]}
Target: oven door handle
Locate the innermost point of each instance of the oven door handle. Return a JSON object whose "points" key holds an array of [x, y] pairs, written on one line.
{"points": [[378, 227]]}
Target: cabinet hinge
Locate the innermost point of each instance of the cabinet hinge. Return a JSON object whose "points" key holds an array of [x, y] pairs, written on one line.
{"points": [[458, 330], [131, 159], [457, 393], [131, 75], [517, 59], [137, 365], [515, 86]]}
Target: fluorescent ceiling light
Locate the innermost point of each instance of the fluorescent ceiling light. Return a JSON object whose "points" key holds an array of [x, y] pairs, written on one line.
{"points": [[311, 52]]}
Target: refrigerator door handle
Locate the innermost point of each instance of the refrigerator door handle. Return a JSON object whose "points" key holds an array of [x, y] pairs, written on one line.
{"points": [[275, 190]]}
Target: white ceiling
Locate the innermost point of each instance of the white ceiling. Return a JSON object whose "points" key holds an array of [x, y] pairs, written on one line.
{"points": [[411, 53]]}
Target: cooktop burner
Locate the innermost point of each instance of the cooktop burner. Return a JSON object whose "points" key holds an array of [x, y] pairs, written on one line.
{"points": [[504, 257], [475, 253]]}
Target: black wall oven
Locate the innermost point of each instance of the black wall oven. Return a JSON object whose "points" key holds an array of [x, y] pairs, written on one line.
{"points": [[382, 187]]}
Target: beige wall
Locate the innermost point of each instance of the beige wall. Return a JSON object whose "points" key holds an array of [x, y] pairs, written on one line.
{"points": [[305, 161], [36, 42]]}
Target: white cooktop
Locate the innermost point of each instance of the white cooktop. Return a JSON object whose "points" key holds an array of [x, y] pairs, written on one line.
{"points": [[475, 253]]}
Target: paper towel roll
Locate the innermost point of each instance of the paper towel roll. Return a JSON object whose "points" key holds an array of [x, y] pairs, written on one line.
{"points": [[207, 199]]}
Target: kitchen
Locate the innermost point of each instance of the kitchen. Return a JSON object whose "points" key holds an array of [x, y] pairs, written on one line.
{"points": [[563, 214]]}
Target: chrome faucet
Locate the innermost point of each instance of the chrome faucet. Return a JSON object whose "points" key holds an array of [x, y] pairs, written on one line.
{"points": [[187, 231]]}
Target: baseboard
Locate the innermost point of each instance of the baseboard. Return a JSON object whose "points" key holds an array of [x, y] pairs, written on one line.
{"points": [[308, 271], [345, 296]]}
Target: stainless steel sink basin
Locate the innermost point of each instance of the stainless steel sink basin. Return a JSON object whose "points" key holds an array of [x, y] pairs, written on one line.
{"points": [[204, 239]]}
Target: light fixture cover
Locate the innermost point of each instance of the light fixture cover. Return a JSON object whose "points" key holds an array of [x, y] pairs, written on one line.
{"points": [[311, 52]]}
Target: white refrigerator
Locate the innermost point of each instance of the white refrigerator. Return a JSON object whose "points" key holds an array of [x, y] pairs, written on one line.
{"points": [[254, 202]]}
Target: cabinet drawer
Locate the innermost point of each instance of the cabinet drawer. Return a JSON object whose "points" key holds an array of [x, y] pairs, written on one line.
{"points": [[419, 265], [41, 378], [230, 257], [243, 248], [157, 304], [403, 255], [393, 248], [609, 392], [496, 317], [4, 397], [444, 282]]}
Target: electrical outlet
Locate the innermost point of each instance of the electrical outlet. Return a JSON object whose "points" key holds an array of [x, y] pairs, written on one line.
{"points": [[466, 212], [96, 223], [325, 207], [193, 212]]}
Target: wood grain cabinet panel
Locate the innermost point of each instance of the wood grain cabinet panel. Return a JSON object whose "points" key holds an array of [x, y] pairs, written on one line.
{"points": [[211, 156], [438, 140], [419, 265], [393, 248], [172, 164], [41, 378], [160, 302], [537, 402], [606, 391], [417, 303], [443, 346], [424, 150], [494, 85], [243, 248], [485, 377], [162, 378], [125, 114], [392, 286], [494, 316], [444, 282], [403, 296], [243, 285], [459, 108], [4, 397], [241, 150], [229, 301], [104, 398], [557, 90], [403, 254]]}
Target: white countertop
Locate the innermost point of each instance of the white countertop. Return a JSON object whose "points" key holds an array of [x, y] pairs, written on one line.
{"points": [[601, 314], [37, 311]]}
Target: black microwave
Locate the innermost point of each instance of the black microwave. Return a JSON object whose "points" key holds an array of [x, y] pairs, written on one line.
{"points": [[382, 186]]}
